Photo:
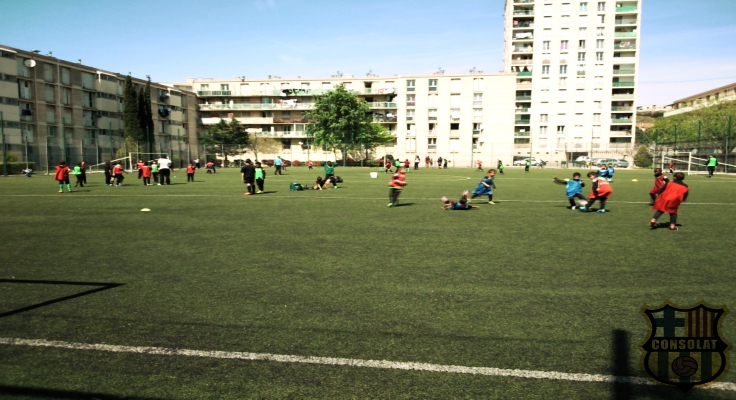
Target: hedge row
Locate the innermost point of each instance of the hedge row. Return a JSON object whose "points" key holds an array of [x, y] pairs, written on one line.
{"points": [[17, 167]]}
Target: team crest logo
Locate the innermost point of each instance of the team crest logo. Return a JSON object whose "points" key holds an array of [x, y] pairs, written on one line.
{"points": [[684, 347]]}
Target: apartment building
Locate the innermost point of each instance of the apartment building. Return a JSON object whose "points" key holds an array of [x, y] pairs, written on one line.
{"points": [[462, 117], [576, 65], [704, 99], [57, 110]]}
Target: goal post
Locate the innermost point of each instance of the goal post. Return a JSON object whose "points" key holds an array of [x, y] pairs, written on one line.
{"points": [[100, 168]]}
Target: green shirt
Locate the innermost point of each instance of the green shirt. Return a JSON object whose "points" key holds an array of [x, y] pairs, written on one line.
{"points": [[500, 166], [712, 162], [528, 163], [260, 173], [77, 170], [329, 170], [154, 168]]}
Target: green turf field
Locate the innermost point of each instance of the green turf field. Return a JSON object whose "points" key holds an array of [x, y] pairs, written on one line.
{"points": [[524, 284]]}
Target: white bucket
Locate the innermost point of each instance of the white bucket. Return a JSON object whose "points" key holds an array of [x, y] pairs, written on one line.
{"points": [[374, 175]]}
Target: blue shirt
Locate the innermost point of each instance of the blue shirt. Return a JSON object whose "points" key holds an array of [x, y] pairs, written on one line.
{"points": [[573, 187], [458, 206], [278, 161], [610, 171]]}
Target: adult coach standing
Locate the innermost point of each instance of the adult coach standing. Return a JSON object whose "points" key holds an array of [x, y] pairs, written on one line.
{"points": [[277, 163], [164, 169], [712, 164]]}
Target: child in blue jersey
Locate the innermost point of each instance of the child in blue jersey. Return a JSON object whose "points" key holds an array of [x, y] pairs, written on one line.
{"points": [[610, 172], [486, 186], [603, 172], [459, 205], [573, 190]]}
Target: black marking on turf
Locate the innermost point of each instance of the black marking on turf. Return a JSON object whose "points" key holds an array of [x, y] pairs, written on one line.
{"points": [[102, 286], [62, 394]]}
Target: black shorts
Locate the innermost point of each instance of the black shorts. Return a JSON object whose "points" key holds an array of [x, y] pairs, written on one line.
{"points": [[330, 178], [64, 181]]}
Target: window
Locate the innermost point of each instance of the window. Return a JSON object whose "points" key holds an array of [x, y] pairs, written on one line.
{"points": [[583, 7], [544, 107], [547, 21], [581, 44], [305, 86], [477, 84], [563, 82], [561, 118], [411, 100], [601, 19], [410, 115], [455, 100], [599, 83], [566, 7], [565, 33], [599, 44], [433, 85], [206, 87], [432, 144], [562, 107], [560, 130], [50, 116], [48, 73], [580, 84], [563, 45], [67, 116], [411, 145], [285, 144], [411, 130], [454, 145], [582, 32], [455, 114], [581, 56], [432, 129], [477, 114], [477, 99], [162, 126], [596, 118], [477, 128], [579, 106], [286, 114], [545, 69], [545, 84], [66, 96], [600, 31], [599, 56], [543, 117], [563, 69], [548, 9], [49, 93], [547, 33], [326, 85], [597, 105], [51, 131], [565, 20], [583, 20], [410, 85], [65, 76], [225, 87], [543, 130], [88, 80], [389, 85], [455, 85], [433, 115], [433, 100], [601, 6], [545, 45]]}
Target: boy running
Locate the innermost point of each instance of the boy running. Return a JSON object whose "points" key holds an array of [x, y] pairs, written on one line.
{"points": [[62, 175], [573, 190], [396, 185], [600, 191], [459, 205], [660, 180], [670, 196], [117, 173], [260, 177], [486, 186], [480, 165]]}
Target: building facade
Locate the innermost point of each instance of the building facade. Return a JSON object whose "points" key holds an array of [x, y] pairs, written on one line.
{"points": [[576, 65], [705, 99], [57, 110], [463, 117]]}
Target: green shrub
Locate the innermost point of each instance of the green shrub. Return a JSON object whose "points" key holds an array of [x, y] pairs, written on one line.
{"points": [[18, 167], [642, 158], [11, 158]]}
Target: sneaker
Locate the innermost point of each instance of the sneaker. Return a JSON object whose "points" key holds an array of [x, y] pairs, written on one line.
{"points": [[70, 190], [583, 209], [466, 193], [61, 191], [260, 191], [673, 227], [653, 223], [444, 199], [490, 202], [158, 184], [390, 204], [572, 207], [601, 210], [246, 194]]}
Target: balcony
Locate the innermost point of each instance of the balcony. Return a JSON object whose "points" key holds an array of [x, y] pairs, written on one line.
{"points": [[626, 21], [620, 133], [522, 121], [524, 1], [476, 132], [623, 84], [524, 98], [523, 85], [581, 73], [381, 105], [523, 24], [626, 9], [523, 110], [411, 103], [523, 36], [622, 108], [377, 91], [625, 46], [523, 12], [254, 120], [623, 96], [624, 71], [384, 119], [624, 60], [527, 49], [625, 34], [620, 145], [621, 120], [524, 73], [522, 134], [522, 62]]}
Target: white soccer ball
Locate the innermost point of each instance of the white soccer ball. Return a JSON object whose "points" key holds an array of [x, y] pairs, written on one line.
{"points": [[583, 203]]}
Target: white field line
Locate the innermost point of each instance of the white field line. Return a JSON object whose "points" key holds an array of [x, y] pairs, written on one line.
{"points": [[331, 197], [350, 362]]}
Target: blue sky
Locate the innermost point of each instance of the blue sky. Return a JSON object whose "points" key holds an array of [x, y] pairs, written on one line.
{"points": [[685, 45]]}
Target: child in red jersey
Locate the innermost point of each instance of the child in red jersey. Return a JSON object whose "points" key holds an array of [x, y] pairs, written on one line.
{"points": [[600, 191], [190, 172], [117, 173], [62, 175], [660, 180], [140, 165], [146, 174], [396, 185], [670, 196]]}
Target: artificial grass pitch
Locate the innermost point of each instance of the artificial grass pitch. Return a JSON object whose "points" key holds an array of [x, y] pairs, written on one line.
{"points": [[525, 283]]}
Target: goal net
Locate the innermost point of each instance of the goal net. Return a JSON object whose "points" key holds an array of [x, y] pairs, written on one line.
{"points": [[100, 168], [684, 161]]}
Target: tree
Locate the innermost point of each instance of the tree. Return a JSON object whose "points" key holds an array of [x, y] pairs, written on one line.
{"points": [[708, 124], [145, 114], [265, 145], [339, 117], [642, 158], [227, 133], [130, 111]]}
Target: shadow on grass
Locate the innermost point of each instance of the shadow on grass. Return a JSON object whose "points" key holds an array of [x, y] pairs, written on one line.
{"points": [[403, 204], [32, 392], [100, 287]]}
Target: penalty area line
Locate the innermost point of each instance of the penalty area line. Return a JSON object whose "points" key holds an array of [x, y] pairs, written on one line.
{"points": [[350, 362]]}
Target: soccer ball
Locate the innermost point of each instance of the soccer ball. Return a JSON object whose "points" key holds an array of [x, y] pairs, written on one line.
{"points": [[684, 366], [583, 203]]}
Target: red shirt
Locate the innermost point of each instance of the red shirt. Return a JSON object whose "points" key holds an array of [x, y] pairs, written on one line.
{"points": [[604, 189], [117, 170], [146, 171], [669, 201], [140, 165], [190, 169], [397, 181], [658, 183], [62, 173]]}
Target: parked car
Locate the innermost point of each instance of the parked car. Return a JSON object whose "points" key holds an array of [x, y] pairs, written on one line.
{"points": [[618, 163], [534, 161], [582, 159]]}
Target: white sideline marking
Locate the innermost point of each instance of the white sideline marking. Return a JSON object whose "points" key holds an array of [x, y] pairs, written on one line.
{"points": [[330, 197], [351, 362]]}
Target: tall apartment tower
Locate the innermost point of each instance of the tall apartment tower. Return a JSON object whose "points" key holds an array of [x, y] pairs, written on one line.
{"points": [[576, 64]]}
